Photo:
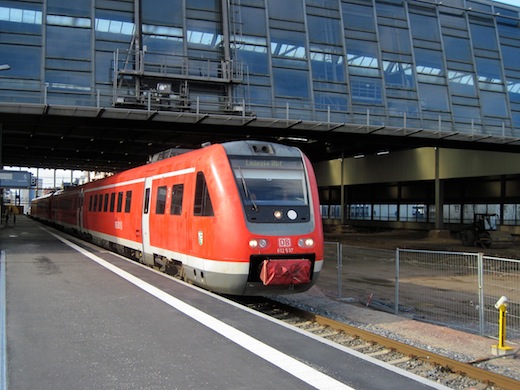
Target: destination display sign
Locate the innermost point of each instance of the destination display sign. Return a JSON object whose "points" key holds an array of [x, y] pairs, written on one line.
{"points": [[15, 179]]}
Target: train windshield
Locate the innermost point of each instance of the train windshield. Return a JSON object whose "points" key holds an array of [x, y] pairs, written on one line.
{"points": [[266, 182]]}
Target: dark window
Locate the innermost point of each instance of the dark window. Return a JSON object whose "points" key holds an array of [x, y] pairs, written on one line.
{"points": [[457, 49], [128, 201], [202, 206], [160, 204], [100, 204], [90, 202], [146, 201], [112, 201], [177, 194], [424, 27], [94, 207], [119, 201], [105, 208], [358, 17]]}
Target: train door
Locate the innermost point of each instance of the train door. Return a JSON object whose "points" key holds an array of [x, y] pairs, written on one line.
{"points": [[147, 255]]}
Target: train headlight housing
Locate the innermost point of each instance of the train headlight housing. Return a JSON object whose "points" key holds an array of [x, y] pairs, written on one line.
{"points": [[258, 243], [306, 242], [278, 214]]}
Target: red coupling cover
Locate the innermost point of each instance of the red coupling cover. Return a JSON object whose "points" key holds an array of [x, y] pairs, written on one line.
{"points": [[288, 272]]}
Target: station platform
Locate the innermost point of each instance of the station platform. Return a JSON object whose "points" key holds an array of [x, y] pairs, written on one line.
{"points": [[76, 316]]}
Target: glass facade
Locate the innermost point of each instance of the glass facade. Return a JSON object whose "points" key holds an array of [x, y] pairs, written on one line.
{"points": [[450, 65]]}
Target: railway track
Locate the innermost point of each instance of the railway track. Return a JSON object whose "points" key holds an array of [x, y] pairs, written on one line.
{"points": [[451, 373]]}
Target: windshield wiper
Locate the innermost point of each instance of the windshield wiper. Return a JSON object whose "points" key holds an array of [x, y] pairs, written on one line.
{"points": [[246, 190]]}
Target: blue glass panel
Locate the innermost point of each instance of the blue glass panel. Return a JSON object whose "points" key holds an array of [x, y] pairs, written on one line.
{"points": [[429, 62], [334, 102], [394, 39], [285, 10], [401, 107], [67, 7], [68, 42], [509, 31], [327, 66], [457, 49], [255, 21], [516, 121], [25, 61], [114, 26], [456, 21], [167, 13], [204, 34], [209, 5], [506, 12], [488, 70], [513, 87], [260, 95], [424, 27], [324, 30], [288, 44], [291, 82], [391, 11], [510, 55], [162, 44], [362, 54], [483, 37], [398, 74], [68, 81], [465, 114], [253, 55], [462, 83], [71, 21], [104, 67], [433, 97], [493, 104], [20, 17], [478, 6], [366, 90], [358, 17]]}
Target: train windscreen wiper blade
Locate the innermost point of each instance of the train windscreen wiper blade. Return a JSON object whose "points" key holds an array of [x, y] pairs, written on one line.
{"points": [[246, 190]]}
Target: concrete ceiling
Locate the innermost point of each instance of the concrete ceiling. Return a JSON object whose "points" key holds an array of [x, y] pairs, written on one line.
{"points": [[113, 139]]}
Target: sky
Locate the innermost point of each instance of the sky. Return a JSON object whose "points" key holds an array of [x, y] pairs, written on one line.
{"points": [[512, 2]]}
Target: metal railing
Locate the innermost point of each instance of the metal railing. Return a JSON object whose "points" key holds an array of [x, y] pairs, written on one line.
{"points": [[454, 289], [62, 93]]}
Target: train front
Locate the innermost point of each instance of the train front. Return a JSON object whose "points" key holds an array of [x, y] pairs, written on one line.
{"points": [[281, 207]]}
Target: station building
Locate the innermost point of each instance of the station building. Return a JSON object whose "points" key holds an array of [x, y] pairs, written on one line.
{"points": [[340, 77]]}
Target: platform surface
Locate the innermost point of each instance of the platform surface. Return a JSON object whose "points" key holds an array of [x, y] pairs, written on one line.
{"points": [[78, 317]]}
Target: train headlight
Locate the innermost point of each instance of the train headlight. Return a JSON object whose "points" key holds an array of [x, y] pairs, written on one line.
{"points": [[278, 214], [259, 243], [306, 242]]}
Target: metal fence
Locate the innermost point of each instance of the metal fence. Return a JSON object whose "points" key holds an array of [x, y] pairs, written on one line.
{"points": [[454, 289]]}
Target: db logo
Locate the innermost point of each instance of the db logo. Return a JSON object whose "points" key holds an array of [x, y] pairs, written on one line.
{"points": [[284, 242]]}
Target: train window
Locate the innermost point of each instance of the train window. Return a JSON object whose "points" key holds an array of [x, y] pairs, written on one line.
{"points": [[177, 195], [128, 201], [119, 201], [202, 206], [112, 201], [100, 205], [90, 201], [105, 205], [146, 201], [160, 204], [271, 181], [94, 207]]}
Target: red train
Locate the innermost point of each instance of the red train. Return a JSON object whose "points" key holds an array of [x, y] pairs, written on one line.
{"points": [[238, 218]]}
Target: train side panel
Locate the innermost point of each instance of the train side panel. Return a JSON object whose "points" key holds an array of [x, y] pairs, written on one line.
{"points": [[218, 214]]}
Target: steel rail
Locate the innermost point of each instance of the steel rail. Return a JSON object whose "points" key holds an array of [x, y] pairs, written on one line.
{"points": [[455, 366]]}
